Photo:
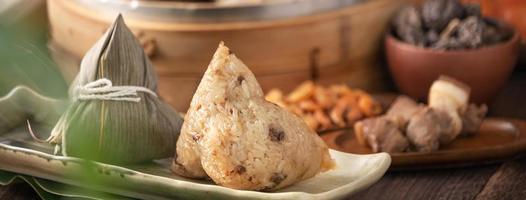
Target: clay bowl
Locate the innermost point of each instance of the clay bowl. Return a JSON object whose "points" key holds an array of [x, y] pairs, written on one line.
{"points": [[485, 70]]}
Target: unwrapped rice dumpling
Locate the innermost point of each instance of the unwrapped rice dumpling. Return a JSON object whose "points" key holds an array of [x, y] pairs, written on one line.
{"points": [[238, 139], [116, 115]]}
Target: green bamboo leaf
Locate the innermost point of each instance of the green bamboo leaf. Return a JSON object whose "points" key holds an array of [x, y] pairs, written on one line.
{"points": [[99, 126], [7, 178], [53, 190], [23, 103]]}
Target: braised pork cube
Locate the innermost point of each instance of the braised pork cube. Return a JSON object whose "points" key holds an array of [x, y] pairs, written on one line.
{"points": [[427, 128], [382, 134], [403, 108], [450, 96], [472, 118]]}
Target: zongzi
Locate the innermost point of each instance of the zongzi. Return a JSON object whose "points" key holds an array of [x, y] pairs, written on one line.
{"points": [[116, 115], [238, 139]]}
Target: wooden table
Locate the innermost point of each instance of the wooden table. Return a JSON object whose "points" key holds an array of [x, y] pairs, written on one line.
{"points": [[492, 181]]}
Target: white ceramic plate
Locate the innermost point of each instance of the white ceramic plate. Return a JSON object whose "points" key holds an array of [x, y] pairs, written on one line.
{"points": [[155, 181], [19, 154]]}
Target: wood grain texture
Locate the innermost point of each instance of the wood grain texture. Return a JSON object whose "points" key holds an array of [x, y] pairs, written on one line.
{"points": [[509, 182], [464, 183]]}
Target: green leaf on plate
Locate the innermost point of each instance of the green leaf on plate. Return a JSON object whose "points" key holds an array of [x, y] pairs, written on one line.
{"points": [[52, 190]]}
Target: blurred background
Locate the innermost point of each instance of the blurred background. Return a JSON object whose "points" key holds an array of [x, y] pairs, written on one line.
{"points": [[24, 56], [284, 42], [365, 44]]}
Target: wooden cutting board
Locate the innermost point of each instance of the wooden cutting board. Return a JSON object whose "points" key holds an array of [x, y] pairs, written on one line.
{"points": [[498, 139]]}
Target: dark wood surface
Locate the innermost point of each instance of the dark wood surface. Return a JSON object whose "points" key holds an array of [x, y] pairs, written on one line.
{"points": [[505, 180]]}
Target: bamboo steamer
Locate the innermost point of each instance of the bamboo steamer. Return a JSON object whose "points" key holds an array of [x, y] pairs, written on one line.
{"points": [[334, 45]]}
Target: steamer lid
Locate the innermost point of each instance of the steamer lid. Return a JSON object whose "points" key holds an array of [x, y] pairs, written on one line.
{"points": [[206, 12]]}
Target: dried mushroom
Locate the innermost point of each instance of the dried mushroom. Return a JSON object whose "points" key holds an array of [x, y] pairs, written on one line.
{"points": [[408, 26], [495, 32], [472, 9], [448, 25], [470, 31], [431, 37], [436, 14]]}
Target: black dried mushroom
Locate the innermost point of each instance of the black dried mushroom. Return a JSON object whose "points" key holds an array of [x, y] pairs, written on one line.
{"points": [[448, 25], [408, 26], [470, 32], [431, 37], [494, 32], [436, 14]]}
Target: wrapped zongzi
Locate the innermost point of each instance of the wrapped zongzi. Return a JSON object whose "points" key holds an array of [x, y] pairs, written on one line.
{"points": [[116, 115]]}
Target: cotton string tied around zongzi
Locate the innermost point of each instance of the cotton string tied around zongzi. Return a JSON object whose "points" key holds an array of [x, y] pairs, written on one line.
{"points": [[103, 89]]}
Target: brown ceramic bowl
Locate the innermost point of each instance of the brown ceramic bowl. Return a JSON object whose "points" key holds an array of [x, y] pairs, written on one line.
{"points": [[485, 70]]}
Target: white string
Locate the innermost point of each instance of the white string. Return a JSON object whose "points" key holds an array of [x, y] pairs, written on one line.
{"points": [[103, 89]]}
